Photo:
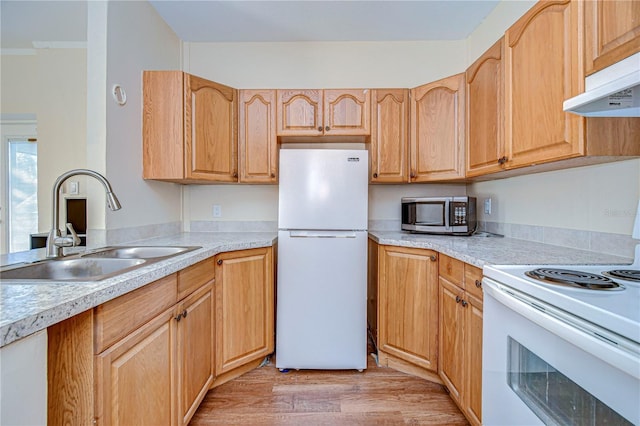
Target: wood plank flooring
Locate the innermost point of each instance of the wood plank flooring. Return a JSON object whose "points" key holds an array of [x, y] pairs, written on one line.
{"points": [[377, 396]]}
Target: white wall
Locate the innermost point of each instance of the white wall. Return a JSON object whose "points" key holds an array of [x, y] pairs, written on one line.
{"points": [[301, 65], [52, 85], [599, 198], [137, 39]]}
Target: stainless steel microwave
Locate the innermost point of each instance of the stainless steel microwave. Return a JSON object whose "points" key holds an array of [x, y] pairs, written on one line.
{"points": [[439, 215]]}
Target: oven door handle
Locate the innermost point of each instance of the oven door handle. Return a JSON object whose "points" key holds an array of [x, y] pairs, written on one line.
{"points": [[618, 351]]}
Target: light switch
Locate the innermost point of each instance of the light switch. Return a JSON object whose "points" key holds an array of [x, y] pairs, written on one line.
{"points": [[74, 187]]}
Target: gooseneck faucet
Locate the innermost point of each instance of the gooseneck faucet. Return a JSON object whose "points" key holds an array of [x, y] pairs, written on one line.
{"points": [[55, 241]]}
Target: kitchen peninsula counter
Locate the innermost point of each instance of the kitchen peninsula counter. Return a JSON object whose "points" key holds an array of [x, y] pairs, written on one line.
{"points": [[29, 306], [493, 250]]}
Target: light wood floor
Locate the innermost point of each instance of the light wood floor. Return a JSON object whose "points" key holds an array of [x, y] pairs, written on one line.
{"points": [[377, 396]]}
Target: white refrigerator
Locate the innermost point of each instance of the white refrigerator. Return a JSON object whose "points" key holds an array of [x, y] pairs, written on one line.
{"points": [[321, 314]]}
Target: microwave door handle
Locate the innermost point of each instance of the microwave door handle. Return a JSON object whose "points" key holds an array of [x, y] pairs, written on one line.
{"points": [[446, 214]]}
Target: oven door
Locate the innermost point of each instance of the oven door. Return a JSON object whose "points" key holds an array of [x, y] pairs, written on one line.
{"points": [[537, 369]]}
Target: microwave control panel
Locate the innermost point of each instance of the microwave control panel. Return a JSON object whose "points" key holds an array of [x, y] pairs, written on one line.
{"points": [[459, 213]]}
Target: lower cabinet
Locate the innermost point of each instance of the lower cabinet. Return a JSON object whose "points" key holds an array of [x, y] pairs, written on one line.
{"points": [[244, 308], [408, 308], [195, 350], [134, 377], [149, 357], [460, 335]]}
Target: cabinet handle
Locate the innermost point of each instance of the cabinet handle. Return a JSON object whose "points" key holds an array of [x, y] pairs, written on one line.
{"points": [[319, 128], [433, 257], [464, 303], [178, 317], [184, 313], [478, 283], [502, 160], [458, 299], [219, 262], [327, 128], [375, 175]]}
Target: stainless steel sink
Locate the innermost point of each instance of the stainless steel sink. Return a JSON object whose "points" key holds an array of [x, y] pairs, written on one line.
{"points": [[79, 269], [140, 252], [94, 266]]}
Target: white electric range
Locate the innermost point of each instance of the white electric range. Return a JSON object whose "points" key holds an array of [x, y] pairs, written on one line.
{"points": [[561, 344]]}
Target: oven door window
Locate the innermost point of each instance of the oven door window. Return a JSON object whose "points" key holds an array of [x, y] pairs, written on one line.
{"points": [[431, 214], [551, 395]]}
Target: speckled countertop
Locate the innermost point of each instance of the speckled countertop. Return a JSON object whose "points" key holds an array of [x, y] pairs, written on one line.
{"points": [[483, 250], [27, 307]]}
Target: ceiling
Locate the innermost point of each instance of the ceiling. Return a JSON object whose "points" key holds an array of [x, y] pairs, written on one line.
{"points": [[22, 22]]}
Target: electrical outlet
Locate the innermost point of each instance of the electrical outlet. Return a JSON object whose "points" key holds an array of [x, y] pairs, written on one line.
{"points": [[487, 206], [217, 210]]}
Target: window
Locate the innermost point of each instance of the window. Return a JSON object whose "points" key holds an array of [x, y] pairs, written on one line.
{"points": [[18, 183]]}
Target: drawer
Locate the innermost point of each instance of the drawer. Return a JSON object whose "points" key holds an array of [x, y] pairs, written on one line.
{"points": [[451, 269], [195, 276], [473, 280], [117, 318]]}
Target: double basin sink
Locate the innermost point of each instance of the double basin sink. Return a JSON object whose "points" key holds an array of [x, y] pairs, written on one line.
{"points": [[93, 266]]}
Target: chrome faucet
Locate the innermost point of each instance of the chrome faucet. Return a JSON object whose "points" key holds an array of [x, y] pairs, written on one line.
{"points": [[55, 241]]}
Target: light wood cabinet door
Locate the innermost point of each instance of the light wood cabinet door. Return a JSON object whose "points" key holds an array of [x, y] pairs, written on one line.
{"points": [[257, 140], [408, 305], [195, 343], [389, 136], [135, 382], [210, 130], [437, 130], [188, 129], [472, 396], [347, 112], [543, 67], [244, 308], [485, 113], [612, 32], [451, 335], [299, 112]]}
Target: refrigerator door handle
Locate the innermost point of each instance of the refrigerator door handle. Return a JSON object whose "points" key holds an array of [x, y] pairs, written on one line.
{"points": [[322, 234]]}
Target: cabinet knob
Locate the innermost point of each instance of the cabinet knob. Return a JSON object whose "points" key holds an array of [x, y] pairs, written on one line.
{"points": [[502, 160], [478, 283], [184, 313], [327, 128], [178, 317], [375, 175], [458, 299], [319, 128], [464, 303], [433, 257], [235, 174], [273, 175], [412, 175], [219, 262]]}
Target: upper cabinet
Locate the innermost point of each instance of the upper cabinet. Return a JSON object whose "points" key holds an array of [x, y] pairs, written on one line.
{"points": [[389, 135], [257, 141], [344, 112], [189, 129], [541, 57], [437, 130], [612, 32], [485, 112]]}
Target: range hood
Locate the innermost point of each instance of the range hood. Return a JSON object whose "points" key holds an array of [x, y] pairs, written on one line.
{"points": [[611, 92]]}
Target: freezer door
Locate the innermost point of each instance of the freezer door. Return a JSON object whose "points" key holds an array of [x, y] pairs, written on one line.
{"points": [[321, 320], [323, 189]]}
